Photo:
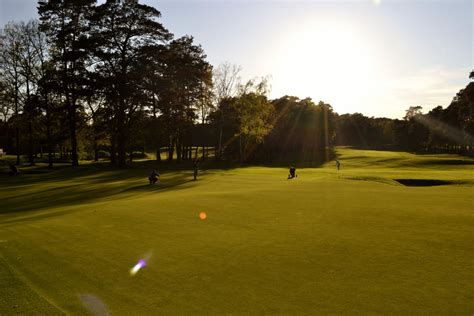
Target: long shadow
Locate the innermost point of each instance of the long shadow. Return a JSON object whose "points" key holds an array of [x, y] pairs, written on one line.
{"points": [[81, 190], [34, 217], [66, 186], [211, 164], [104, 171], [168, 186], [44, 215]]}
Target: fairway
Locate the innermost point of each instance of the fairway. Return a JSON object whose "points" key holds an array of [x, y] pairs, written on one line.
{"points": [[353, 241]]}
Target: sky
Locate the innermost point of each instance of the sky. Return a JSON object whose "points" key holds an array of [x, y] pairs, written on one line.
{"points": [[375, 57]]}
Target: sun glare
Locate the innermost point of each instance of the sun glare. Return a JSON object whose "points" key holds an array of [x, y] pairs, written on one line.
{"points": [[331, 61]]}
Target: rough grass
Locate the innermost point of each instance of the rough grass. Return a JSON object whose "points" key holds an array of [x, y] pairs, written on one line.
{"points": [[328, 242]]}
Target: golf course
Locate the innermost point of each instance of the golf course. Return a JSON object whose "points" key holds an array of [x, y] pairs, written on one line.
{"points": [[389, 233]]}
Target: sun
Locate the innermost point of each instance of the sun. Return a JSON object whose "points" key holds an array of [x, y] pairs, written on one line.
{"points": [[331, 61]]}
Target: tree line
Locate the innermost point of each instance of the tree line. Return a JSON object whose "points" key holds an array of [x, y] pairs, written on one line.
{"points": [[91, 81], [449, 129]]}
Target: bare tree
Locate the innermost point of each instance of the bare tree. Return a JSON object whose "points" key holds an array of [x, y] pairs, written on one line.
{"points": [[226, 78], [43, 80], [225, 81], [30, 70], [10, 71]]}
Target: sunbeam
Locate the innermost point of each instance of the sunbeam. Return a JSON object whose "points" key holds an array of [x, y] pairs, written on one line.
{"points": [[450, 132]]}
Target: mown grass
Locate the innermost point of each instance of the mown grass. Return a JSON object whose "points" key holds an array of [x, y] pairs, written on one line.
{"points": [[329, 242]]}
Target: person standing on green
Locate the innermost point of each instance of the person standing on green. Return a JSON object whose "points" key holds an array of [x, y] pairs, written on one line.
{"points": [[196, 169]]}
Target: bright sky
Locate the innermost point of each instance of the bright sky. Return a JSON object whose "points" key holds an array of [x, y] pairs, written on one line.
{"points": [[375, 57]]}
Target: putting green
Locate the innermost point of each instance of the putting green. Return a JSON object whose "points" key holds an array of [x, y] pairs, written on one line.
{"points": [[329, 242]]}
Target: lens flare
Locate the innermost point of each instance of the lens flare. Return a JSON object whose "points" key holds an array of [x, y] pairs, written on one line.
{"points": [[141, 264], [202, 216], [94, 305]]}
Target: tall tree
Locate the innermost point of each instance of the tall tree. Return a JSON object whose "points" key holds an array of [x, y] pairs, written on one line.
{"points": [[32, 61], [187, 78], [122, 31], [246, 120], [47, 88], [253, 114], [10, 71], [460, 115], [66, 24]]}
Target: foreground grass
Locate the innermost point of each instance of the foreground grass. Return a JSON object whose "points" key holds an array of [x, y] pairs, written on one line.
{"points": [[328, 242]]}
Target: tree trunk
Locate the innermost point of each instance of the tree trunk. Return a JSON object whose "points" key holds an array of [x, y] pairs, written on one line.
{"points": [[96, 146], [113, 146], [50, 156], [171, 149], [178, 149], [121, 147], [31, 158], [121, 136], [240, 147], [49, 140], [17, 138], [29, 110], [219, 147], [72, 129], [184, 152], [158, 153], [17, 112], [73, 132]]}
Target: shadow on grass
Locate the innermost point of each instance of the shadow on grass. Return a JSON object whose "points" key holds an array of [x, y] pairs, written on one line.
{"points": [[23, 197], [39, 192], [35, 217]]}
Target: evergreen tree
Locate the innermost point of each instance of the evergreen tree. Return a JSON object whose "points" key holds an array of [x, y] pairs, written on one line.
{"points": [[122, 31], [66, 24]]}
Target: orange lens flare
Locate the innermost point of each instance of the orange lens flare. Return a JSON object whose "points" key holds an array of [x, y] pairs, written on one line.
{"points": [[202, 216]]}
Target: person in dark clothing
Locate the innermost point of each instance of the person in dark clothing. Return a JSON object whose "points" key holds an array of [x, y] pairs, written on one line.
{"points": [[338, 164], [153, 177], [13, 170], [292, 173]]}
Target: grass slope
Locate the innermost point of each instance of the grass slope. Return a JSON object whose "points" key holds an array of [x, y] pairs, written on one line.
{"points": [[328, 242]]}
